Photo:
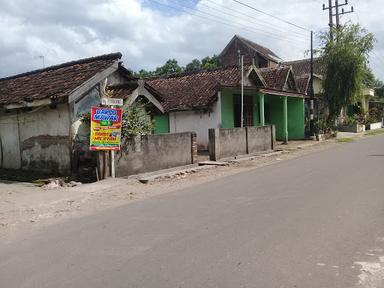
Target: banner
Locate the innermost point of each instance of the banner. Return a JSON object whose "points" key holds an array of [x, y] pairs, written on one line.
{"points": [[105, 128]]}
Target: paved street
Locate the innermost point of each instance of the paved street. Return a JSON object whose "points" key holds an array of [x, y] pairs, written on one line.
{"points": [[314, 221]]}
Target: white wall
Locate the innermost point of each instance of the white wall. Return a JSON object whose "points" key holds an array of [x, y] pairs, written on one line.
{"points": [[196, 121]]}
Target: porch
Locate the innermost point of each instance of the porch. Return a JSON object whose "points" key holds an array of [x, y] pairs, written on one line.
{"points": [[284, 111]]}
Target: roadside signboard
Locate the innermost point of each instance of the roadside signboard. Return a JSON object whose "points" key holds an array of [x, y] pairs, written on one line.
{"points": [[105, 128], [112, 101]]}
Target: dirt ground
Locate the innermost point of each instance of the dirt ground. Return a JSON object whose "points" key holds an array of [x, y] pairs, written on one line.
{"points": [[25, 206]]}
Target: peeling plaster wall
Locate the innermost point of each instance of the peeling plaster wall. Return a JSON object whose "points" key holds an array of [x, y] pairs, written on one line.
{"points": [[36, 140], [44, 138]]}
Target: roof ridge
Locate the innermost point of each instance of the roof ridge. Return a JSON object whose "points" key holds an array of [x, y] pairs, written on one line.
{"points": [[116, 55], [188, 73], [273, 54]]}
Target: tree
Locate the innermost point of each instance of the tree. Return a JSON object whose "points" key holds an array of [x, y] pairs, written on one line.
{"points": [[379, 88], [136, 121], [170, 67], [195, 65], [345, 60], [210, 62]]}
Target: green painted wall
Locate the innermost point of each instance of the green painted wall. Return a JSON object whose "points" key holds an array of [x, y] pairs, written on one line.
{"points": [[275, 106], [296, 121], [227, 107], [227, 116], [161, 123]]}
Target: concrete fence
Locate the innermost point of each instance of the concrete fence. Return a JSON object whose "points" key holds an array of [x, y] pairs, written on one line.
{"points": [[225, 143], [153, 152]]}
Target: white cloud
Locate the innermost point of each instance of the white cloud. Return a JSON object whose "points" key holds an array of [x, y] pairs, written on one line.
{"points": [[147, 37]]}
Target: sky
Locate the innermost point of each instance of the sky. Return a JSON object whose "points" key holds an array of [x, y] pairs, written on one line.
{"points": [[149, 32]]}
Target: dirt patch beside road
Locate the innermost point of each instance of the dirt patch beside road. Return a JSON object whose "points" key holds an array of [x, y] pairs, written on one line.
{"points": [[25, 206]]}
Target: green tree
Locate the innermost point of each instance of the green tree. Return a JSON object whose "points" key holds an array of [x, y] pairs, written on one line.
{"points": [[345, 60], [379, 88], [170, 67], [136, 120], [144, 74], [195, 65], [210, 62]]}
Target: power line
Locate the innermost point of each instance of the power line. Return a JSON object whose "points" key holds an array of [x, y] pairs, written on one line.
{"points": [[268, 33], [273, 16], [247, 28], [260, 22]]}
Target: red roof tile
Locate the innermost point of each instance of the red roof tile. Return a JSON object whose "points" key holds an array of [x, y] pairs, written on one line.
{"points": [[199, 89], [303, 66], [275, 77], [55, 81]]}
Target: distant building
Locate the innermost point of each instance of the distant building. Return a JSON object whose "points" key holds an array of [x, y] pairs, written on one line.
{"points": [[253, 53]]}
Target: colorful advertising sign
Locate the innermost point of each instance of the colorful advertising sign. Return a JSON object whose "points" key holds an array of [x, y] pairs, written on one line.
{"points": [[105, 128]]}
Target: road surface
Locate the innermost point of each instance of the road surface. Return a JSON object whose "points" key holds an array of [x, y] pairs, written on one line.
{"points": [[314, 221]]}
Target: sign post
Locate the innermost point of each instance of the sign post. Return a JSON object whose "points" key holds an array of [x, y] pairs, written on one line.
{"points": [[106, 131]]}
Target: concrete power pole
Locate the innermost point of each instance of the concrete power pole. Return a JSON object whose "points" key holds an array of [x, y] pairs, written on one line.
{"points": [[337, 13]]}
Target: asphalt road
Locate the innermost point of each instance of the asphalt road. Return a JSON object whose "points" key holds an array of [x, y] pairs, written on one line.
{"points": [[299, 223]]}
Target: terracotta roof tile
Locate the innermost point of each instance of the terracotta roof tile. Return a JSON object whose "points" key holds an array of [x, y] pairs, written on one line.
{"points": [[275, 77], [55, 81], [199, 89], [303, 66]]}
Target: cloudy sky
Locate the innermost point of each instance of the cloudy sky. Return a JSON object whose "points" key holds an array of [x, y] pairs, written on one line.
{"points": [[148, 32]]}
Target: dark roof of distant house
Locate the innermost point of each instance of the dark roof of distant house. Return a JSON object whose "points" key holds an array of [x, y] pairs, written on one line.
{"points": [[199, 90], [303, 66], [267, 53], [53, 82]]}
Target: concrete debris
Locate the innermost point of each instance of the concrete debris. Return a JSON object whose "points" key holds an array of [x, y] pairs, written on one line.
{"points": [[59, 182]]}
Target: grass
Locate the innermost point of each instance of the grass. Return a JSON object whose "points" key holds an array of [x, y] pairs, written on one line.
{"points": [[375, 132], [345, 140]]}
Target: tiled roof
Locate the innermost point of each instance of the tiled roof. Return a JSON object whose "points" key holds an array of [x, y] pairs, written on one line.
{"points": [[302, 83], [303, 66], [123, 91], [199, 90], [269, 54], [275, 77], [55, 81]]}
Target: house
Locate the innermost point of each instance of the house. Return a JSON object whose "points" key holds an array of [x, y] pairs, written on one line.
{"points": [[254, 54], [212, 99], [41, 112], [302, 67]]}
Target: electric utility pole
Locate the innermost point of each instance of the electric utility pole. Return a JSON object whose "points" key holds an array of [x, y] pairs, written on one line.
{"points": [[337, 14]]}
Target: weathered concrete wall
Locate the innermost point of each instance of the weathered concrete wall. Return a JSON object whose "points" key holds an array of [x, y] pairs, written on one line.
{"points": [[260, 139], [156, 152], [226, 143], [9, 141], [36, 140], [44, 138], [197, 121]]}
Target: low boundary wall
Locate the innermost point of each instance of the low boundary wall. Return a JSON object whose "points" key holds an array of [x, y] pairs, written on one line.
{"points": [[225, 143], [151, 153], [156, 152]]}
